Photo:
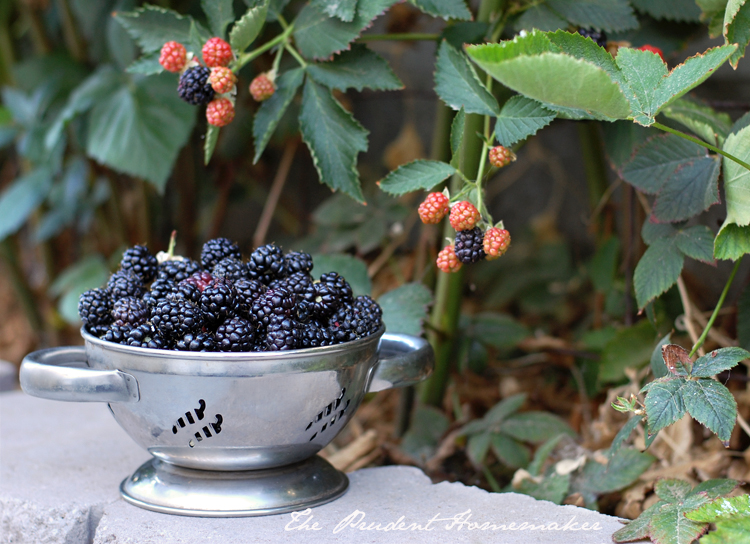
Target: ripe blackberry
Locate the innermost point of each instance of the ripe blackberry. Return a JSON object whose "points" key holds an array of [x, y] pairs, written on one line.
{"points": [[326, 299], [470, 245], [229, 268], [145, 336], [98, 330], [339, 284], [344, 324], [130, 311], [175, 317], [140, 261], [599, 37], [217, 249], [194, 87], [279, 302], [235, 334], [298, 261], [313, 335], [186, 290], [125, 283], [159, 290], [282, 333], [369, 312], [266, 263], [117, 333], [94, 307], [202, 341], [248, 292], [217, 301], [200, 279], [299, 283], [178, 270]]}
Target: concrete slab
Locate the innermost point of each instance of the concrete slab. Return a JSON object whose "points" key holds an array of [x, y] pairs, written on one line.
{"points": [[8, 376], [61, 465]]}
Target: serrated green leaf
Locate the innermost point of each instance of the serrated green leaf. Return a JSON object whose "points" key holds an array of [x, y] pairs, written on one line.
{"points": [[672, 490], [697, 243], [212, 136], [19, 200], [712, 13], [147, 65], [247, 28], [553, 488], [711, 404], [520, 118], [717, 361], [342, 9], [622, 470], [151, 27], [722, 509], [496, 330], [535, 426], [623, 435], [658, 368], [732, 242], [446, 9], [609, 15], [457, 137], [477, 447], [712, 126], [582, 48], [664, 403], [714, 488], [539, 17], [740, 123], [637, 529], [509, 452], [500, 412], [140, 128], [672, 10], [670, 526], [737, 28], [416, 175], [319, 36], [650, 232], [644, 71], [270, 112], [358, 68], [427, 426], [352, 268], [405, 308], [737, 178], [457, 84], [219, 14], [334, 138], [465, 32], [622, 138], [631, 347]]}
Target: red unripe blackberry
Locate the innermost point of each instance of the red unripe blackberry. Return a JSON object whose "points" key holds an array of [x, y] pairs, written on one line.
{"points": [[200, 279], [496, 242], [653, 49], [222, 79], [217, 52], [501, 156], [434, 208], [173, 56], [262, 88], [447, 260], [220, 112], [464, 216]]}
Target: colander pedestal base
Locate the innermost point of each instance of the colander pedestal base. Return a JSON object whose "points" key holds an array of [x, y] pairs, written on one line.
{"points": [[170, 489]]}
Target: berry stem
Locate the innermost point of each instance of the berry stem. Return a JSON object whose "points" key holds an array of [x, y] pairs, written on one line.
{"points": [[243, 59], [483, 162], [701, 143], [296, 55]]}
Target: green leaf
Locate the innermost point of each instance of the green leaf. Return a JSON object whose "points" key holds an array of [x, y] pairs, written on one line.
{"points": [[658, 367], [697, 243], [219, 14], [664, 403], [500, 412], [644, 71], [405, 308], [631, 347], [147, 65], [553, 488], [151, 27], [657, 270], [447, 9], [270, 111], [539, 17], [743, 318], [319, 36], [357, 68], [19, 200], [140, 128], [352, 268], [672, 10], [509, 452], [711, 404], [609, 15], [535, 426], [542, 453], [477, 447], [622, 470], [462, 33], [248, 27], [714, 488], [737, 180], [732, 242], [671, 490], [722, 509], [520, 118], [457, 137], [497, 330], [212, 136], [343, 9], [623, 435], [88, 273], [670, 526], [334, 138], [427, 426], [737, 28], [457, 84], [718, 361], [416, 175], [637, 529], [713, 127]]}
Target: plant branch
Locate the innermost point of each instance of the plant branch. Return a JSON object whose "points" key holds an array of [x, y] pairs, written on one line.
{"points": [[243, 59], [296, 55], [701, 143], [273, 196]]}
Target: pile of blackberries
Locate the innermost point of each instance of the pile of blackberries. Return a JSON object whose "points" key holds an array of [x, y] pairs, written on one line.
{"points": [[269, 302]]}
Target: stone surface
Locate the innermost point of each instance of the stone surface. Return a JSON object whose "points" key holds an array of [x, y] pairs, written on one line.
{"points": [[8, 376], [61, 465]]}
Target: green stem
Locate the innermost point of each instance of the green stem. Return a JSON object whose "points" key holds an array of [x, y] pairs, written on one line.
{"points": [[277, 61], [243, 59], [296, 55], [701, 143], [719, 304], [405, 36]]}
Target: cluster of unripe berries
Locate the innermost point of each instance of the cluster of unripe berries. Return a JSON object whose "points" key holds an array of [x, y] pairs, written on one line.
{"points": [[213, 83]]}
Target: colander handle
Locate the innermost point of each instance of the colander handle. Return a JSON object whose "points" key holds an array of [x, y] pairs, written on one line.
{"points": [[404, 360], [48, 373]]}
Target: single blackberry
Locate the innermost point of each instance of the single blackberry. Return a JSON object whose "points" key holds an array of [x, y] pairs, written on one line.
{"points": [[178, 270], [266, 264], [202, 341], [139, 260], [98, 330], [298, 261], [248, 292], [94, 307], [145, 336], [186, 290], [344, 324], [279, 302], [235, 334], [130, 311], [125, 283], [326, 299], [175, 317], [282, 333], [299, 283], [313, 335], [159, 290], [217, 301], [370, 314], [339, 284], [117, 333], [229, 268], [217, 249], [599, 37], [200, 279], [194, 87], [469, 246]]}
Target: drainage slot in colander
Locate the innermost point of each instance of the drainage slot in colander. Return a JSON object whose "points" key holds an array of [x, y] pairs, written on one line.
{"points": [[327, 411], [199, 413]]}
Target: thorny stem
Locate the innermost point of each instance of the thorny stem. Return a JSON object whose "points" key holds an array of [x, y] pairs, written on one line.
{"points": [[719, 304], [701, 143]]}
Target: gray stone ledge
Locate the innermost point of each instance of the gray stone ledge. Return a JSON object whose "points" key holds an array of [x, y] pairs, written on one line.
{"points": [[61, 465], [8, 376]]}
